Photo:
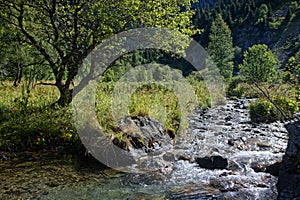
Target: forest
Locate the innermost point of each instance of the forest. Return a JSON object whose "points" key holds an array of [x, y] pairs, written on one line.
{"points": [[255, 45]]}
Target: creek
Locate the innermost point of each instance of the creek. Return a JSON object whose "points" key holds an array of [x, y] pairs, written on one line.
{"points": [[223, 134]]}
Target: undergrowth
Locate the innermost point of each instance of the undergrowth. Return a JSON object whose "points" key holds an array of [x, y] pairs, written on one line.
{"points": [[29, 120]]}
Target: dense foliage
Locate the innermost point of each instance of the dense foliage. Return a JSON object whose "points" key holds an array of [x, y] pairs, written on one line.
{"points": [[259, 64], [220, 47], [264, 111], [63, 33], [48, 40]]}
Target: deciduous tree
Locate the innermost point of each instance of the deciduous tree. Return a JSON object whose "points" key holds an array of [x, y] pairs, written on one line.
{"points": [[259, 64], [65, 32]]}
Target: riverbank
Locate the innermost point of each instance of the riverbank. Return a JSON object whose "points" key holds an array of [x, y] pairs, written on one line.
{"points": [[251, 152]]}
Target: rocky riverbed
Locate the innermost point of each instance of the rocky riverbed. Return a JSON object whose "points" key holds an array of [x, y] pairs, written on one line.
{"points": [[223, 155], [253, 152]]}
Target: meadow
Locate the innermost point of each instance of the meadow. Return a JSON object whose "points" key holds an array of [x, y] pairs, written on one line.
{"points": [[30, 119]]}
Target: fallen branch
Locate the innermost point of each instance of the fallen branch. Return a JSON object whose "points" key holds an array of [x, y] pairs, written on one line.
{"points": [[44, 83]]}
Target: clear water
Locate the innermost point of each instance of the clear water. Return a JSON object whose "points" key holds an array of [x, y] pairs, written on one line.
{"points": [[40, 176]]}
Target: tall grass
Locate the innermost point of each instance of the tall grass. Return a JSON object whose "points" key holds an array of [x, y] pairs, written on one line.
{"points": [[28, 119]]}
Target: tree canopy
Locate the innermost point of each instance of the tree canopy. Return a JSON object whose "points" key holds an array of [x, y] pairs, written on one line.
{"points": [[220, 47], [293, 67], [259, 64], [63, 33]]}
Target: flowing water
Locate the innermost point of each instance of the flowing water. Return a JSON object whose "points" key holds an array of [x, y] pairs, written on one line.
{"points": [[224, 131]]}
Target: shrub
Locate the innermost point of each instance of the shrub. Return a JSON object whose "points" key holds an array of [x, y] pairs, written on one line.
{"points": [[289, 106], [240, 89], [264, 111], [234, 88]]}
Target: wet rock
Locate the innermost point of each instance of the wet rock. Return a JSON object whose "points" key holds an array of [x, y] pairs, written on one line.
{"points": [[228, 118], [212, 162], [226, 174], [228, 124], [144, 133], [273, 169], [244, 139], [230, 142], [226, 186], [256, 131], [170, 157], [185, 158], [264, 145], [192, 191], [234, 166], [261, 185], [288, 185], [258, 167], [247, 130]]}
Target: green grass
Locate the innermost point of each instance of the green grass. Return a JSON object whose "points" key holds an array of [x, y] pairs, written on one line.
{"points": [[30, 121], [160, 102]]}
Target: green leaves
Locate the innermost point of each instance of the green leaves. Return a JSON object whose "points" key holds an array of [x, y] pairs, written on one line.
{"points": [[221, 48], [65, 32], [259, 64], [293, 68]]}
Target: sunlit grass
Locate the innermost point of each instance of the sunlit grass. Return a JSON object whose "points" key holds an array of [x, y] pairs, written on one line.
{"points": [[29, 119], [159, 102]]}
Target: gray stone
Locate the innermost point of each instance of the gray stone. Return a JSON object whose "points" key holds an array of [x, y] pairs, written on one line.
{"points": [[212, 162], [144, 133], [288, 185]]}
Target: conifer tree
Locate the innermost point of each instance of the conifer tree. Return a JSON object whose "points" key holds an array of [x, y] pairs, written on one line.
{"points": [[220, 47]]}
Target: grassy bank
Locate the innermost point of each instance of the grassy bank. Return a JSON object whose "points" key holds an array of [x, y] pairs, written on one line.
{"points": [[28, 121]]}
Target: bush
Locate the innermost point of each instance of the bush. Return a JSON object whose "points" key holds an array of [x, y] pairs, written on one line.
{"points": [[240, 89], [264, 111], [233, 88], [287, 105]]}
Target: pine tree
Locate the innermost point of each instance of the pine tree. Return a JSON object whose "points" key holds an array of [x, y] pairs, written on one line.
{"points": [[233, 8], [230, 20], [252, 3], [220, 47]]}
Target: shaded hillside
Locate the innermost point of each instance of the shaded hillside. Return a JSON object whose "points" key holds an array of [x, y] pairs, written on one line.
{"points": [[275, 23]]}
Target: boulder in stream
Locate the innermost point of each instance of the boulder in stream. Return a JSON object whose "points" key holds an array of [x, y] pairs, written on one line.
{"points": [[288, 185], [144, 133], [212, 162], [272, 169]]}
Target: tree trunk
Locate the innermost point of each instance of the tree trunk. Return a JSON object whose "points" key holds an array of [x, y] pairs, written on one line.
{"points": [[18, 77], [65, 97]]}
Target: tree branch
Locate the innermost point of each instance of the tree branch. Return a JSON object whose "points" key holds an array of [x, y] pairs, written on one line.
{"points": [[34, 63], [44, 83], [33, 40], [271, 100]]}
